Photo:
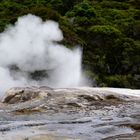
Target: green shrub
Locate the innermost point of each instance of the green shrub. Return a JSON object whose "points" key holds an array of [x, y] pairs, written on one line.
{"points": [[117, 80], [83, 9], [114, 5], [105, 30]]}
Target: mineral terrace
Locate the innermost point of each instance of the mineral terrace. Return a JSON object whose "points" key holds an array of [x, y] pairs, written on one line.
{"points": [[43, 113]]}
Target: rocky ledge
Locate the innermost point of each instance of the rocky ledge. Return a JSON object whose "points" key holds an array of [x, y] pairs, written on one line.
{"points": [[43, 113]]}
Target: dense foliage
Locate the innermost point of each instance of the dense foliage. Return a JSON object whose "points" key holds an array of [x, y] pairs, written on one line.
{"points": [[108, 31]]}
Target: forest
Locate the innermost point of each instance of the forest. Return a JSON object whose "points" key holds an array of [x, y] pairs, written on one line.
{"points": [[107, 30]]}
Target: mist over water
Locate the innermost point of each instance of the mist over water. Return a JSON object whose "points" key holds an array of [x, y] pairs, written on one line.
{"points": [[30, 55]]}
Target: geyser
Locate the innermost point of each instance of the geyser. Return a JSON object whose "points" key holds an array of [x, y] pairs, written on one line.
{"points": [[29, 48]]}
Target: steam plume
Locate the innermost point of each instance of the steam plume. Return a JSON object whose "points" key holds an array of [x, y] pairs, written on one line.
{"points": [[30, 55]]}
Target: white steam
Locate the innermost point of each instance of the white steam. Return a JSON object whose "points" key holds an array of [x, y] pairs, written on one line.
{"points": [[30, 47]]}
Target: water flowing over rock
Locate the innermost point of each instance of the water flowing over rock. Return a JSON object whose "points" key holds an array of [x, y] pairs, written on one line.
{"points": [[34, 113]]}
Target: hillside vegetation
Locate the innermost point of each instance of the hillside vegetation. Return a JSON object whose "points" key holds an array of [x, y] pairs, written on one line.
{"points": [[107, 30]]}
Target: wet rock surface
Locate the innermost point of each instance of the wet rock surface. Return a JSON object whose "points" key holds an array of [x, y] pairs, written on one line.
{"points": [[43, 113]]}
